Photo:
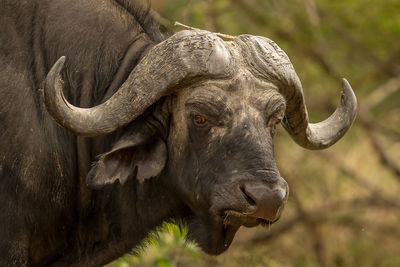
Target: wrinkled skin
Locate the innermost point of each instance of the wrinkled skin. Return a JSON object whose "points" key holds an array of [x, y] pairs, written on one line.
{"points": [[226, 158]]}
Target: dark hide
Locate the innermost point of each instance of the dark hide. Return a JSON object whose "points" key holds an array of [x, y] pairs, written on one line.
{"points": [[47, 213], [202, 156]]}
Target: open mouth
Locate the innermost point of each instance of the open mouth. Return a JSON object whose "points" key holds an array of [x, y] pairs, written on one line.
{"points": [[239, 218]]}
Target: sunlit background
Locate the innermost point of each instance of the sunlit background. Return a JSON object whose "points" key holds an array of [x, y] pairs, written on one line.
{"points": [[344, 203]]}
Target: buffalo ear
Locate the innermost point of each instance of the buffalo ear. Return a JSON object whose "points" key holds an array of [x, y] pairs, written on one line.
{"points": [[138, 155]]}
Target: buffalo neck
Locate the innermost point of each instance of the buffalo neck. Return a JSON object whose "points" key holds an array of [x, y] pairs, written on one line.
{"points": [[119, 217]]}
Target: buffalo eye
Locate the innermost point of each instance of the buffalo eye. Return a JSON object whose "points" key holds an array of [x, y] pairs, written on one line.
{"points": [[277, 121], [199, 120], [274, 121]]}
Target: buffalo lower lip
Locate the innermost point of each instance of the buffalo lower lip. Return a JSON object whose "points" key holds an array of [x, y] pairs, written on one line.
{"points": [[233, 217]]}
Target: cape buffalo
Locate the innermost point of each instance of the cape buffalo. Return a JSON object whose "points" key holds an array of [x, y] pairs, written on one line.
{"points": [[181, 130]]}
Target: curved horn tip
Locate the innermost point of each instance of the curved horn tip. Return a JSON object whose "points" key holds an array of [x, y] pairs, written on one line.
{"points": [[326, 133], [61, 59], [56, 69], [348, 97], [59, 63], [52, 91], [346, 87]]}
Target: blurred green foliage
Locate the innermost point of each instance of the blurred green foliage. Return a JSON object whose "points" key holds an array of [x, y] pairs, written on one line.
{"points": [[162, 249], [344, 206]]}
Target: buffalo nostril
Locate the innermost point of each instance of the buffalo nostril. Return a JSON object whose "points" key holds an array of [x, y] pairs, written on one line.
{"points": [[248, 198], [269, 201]]}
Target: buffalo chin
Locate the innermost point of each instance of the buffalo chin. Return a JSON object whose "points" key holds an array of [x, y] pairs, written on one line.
{"points": [[210, 234]]}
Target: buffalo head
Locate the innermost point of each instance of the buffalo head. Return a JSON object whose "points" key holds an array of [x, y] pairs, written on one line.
{"points": [[226, 98]]}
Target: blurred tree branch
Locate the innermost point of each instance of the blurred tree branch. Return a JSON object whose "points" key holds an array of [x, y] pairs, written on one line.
{"points": [[286, 35], [316, 13], [312, 12], [211, 20], [312, 226], [336, 25], [381, 93], [325, 214], [186, 12], [385, 158], [365, 118], [373, 99]]}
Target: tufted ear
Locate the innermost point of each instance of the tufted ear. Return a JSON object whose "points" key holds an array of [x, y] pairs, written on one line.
{"points": [[135, 154]]}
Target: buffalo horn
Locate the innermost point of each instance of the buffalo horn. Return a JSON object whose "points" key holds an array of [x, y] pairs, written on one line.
{"points": [[267, 61], [323, 134], [186, 56]]}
